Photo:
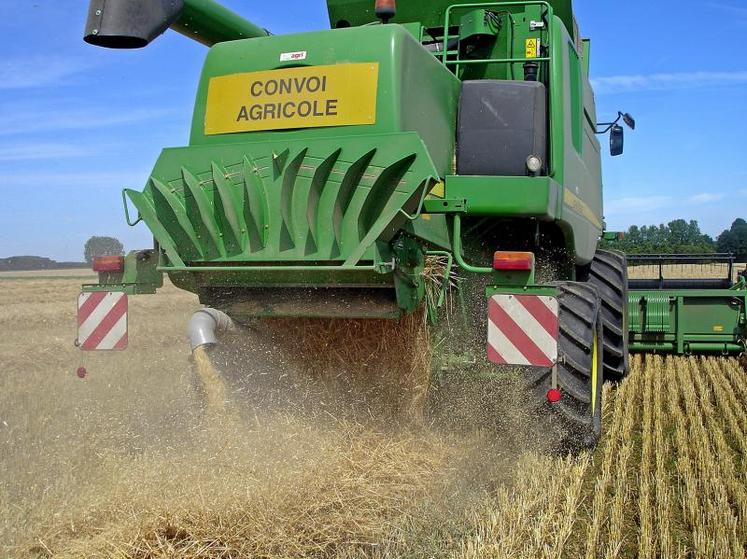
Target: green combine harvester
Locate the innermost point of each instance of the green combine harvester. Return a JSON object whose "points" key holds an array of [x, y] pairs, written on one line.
{"points": [[326, 170]]}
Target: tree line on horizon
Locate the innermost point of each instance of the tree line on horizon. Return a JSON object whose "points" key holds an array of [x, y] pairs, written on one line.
{"points": [[676, 237], [95, 246], [682, 237]]}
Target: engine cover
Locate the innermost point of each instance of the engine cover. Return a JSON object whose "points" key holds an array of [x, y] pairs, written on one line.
{"points": [[501, 123]]}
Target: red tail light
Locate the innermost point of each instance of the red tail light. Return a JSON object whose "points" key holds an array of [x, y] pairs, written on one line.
{"points": [[108, 263], [513, 261]]}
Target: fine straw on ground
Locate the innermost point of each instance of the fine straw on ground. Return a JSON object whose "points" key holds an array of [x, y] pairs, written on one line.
{"points": [[124, 464]]}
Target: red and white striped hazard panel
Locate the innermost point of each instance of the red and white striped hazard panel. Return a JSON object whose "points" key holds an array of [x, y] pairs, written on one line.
{"points": [[523, 330], [102, 321]]}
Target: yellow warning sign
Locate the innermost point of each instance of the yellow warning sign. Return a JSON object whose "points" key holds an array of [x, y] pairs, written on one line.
{"points": [[439, 190], [718, 328], [334, 95], [533, 48]]}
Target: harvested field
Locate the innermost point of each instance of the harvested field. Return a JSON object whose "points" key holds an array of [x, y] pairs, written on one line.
{"points": [[51, 274], [123, 465]]}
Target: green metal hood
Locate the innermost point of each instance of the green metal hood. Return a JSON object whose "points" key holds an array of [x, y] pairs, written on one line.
{"points": [[415, 92], [320, 206]]}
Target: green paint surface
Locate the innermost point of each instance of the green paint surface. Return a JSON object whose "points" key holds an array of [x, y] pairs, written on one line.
{"points": [[332, 204]]}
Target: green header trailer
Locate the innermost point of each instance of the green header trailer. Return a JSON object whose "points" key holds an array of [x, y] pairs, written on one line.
{"points": [[687, 304], [327, 171]]}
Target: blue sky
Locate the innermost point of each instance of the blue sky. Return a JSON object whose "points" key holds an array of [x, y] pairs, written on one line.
{"points": [[78, 123]]}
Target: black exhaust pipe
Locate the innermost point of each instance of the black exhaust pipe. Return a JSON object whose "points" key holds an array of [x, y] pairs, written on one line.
{"points": [[132, 24]]}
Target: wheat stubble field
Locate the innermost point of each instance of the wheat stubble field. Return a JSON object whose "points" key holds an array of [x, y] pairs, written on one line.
{"points": [[123, 465]]}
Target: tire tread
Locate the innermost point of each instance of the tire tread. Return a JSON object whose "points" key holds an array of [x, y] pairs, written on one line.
{"points": [[609, 274]]}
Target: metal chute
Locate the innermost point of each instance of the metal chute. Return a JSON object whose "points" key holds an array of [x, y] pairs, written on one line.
{"points": [[129, 24]]}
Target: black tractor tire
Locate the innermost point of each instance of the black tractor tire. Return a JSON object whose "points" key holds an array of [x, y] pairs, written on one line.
{"points": [[576, 420], [609, 274]]}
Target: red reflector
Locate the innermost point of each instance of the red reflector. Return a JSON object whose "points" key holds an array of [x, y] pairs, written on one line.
{"points": [[108, 263], [82, 372], [513, 261], [553, 395]]}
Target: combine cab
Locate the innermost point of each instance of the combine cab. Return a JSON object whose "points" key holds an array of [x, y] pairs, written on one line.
{"points": [[328, 171]]}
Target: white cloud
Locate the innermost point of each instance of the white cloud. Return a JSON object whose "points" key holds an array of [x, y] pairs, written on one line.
{"points": [[39, 71], [636, 204], [25, 122], [642, 205], [706, 197], [43, 150], [663, 82], [132, 179], [739, 13]]}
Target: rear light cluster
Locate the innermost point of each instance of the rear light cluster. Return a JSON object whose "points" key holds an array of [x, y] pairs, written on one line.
{"points": [[513, 261], [108, 263]]}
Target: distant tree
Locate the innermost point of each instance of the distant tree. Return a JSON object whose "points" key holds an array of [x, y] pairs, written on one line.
{"points": [[102, 246], [734, 240], [678, 236], [26, 263]]}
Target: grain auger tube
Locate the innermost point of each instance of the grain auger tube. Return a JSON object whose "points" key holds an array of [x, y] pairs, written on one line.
{"points": [[204, 328]]}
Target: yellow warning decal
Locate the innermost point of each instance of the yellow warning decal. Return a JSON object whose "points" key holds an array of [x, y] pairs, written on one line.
{"points": [[533, 48], [439, 190], [315, 96], [718, 328], [582, 208]]}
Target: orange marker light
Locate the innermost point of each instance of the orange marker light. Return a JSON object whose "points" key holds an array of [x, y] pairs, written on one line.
{"points": [[513, 261], [108, 263], [386, 9]]}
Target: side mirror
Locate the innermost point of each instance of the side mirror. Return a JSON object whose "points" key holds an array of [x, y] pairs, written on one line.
{"points": [[617, 140], [617, 133]]}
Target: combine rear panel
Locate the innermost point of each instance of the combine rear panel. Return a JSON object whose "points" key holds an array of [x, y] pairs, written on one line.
{"points": [[326, 171]]}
